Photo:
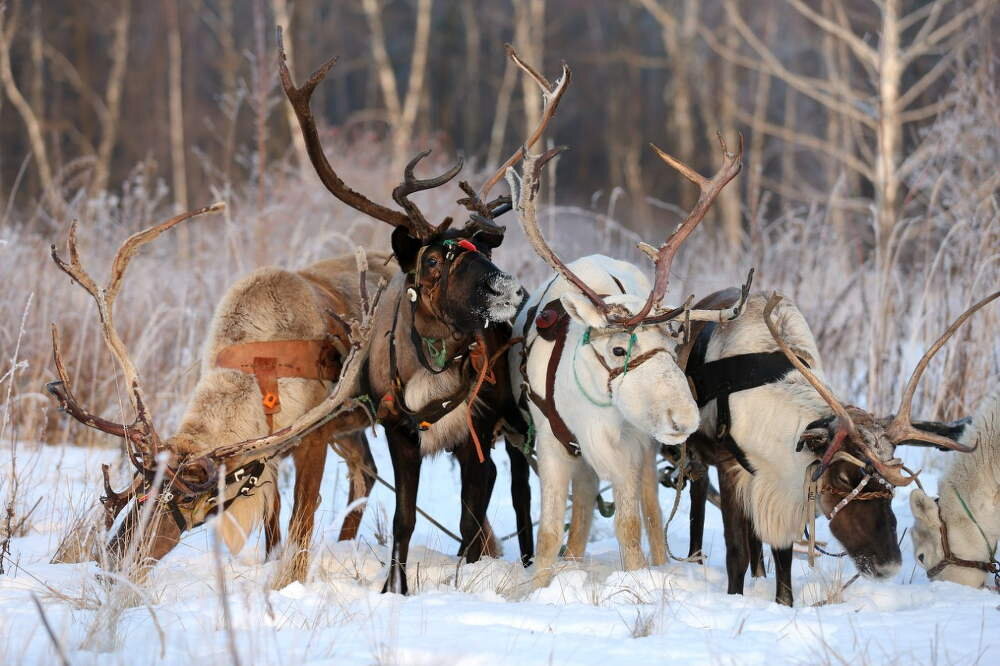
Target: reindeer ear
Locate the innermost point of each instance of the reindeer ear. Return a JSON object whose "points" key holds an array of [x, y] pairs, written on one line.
{"points": [[817, 436], [924, 508], [582, 310], [405, 248]]}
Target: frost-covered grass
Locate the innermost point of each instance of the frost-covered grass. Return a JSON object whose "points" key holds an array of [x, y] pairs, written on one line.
{"points": [[483, 613]]}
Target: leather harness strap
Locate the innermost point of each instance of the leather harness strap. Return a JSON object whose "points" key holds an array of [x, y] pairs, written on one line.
{"points": [[270, 360], [991, 567], [558, 320]]}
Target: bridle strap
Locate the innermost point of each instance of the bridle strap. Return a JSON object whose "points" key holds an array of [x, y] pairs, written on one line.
{"points": [[990, 567]]}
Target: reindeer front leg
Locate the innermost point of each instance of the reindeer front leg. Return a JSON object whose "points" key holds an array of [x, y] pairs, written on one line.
{"points": [[405, 453], [651, 512], [585, 488], [628, 526], [554, 471], [478, 479]]}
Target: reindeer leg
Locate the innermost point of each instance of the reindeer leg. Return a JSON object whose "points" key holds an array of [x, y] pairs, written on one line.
{"points": [[756, 549], [309, 458], [736, 527], [585, 484], [699, 496], [554, 471], [477, 487], [651, 512], [405, 453], [783, 574], [628, 526], [356, 453], [272, 526], [520, 494]]}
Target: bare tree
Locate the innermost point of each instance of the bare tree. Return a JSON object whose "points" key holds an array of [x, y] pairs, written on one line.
{"points": [[175, 102], [402, 111]]}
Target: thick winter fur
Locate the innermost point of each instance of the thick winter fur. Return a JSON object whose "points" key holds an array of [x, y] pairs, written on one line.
{"points": [[976, 477], [269, 304], [767, 421], [651, 401]]}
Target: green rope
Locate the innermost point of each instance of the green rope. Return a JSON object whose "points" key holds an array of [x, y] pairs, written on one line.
{"points": [[975, 522], [585, 340], [438, 354], [628, 353]]}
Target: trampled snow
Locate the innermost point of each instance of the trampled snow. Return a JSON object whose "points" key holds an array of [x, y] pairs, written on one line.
{"points": [[482, 613]]}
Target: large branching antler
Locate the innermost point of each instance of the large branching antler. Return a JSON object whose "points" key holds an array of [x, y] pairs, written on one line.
{"points": [[341, 407], [142, 441], [901, 428], [710, 188], [299, 97], [846, 428], [525, 190], [552, 94]]}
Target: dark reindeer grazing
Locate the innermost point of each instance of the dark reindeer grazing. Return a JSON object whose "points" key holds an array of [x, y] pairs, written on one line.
{"points": [[278, 320], [437, 370], [767, 424]]}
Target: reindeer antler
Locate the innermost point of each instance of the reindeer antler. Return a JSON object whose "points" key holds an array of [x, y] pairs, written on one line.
{"points": [[142, 441], [551, 95], [901, 427], [710, 190]]}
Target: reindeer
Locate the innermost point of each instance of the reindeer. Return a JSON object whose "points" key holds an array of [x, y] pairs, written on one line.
{"points": [[270, 356], [269, 360], [438, 372], [620, 386], [955, 536], [784, 444]]}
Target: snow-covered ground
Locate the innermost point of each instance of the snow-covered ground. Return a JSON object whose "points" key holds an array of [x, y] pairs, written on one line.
{"points": [[484, 613]]}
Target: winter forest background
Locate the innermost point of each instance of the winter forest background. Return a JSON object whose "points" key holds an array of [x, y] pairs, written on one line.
{"points": [[870, 193]]}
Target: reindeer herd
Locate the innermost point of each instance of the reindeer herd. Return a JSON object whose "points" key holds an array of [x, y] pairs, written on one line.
{"points": [[590, 377]]}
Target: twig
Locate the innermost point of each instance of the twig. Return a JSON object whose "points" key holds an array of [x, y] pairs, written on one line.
{"points": [[63, 659]]}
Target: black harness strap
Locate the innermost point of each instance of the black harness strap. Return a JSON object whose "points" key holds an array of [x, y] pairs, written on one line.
{"points": [[717, 380]]}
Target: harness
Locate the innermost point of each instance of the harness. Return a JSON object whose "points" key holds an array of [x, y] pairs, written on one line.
{"points": [[992, 566], [475, 362], [183, 508], [717, 380], [813, 491], [271, 360]]}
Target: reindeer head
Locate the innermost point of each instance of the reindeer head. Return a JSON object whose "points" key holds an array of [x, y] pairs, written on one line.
{"points": [[450, 276], [857, 470], [626, 337]]}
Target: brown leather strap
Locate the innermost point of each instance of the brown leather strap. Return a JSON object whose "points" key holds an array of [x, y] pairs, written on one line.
{"points": [[987, 567], [547, 405]]}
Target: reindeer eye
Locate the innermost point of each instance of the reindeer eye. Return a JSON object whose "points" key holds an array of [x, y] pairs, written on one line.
{"points": [[920, 557], [432, 261], [618, 351]]}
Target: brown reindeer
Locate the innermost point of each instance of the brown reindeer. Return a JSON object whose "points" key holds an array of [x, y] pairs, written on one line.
{"points": [[781, 453], [438, 373], [277, 341]]}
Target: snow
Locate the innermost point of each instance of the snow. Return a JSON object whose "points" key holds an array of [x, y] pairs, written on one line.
{"points": [[482, 613]]}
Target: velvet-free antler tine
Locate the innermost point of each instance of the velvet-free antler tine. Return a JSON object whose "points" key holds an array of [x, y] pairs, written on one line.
{"points": [[300, 99], [552, 94], [901, 427], [710, 189]]}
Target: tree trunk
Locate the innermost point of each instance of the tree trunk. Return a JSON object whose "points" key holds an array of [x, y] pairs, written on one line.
{"points": [[175, 103], [112, 98], [283, 19]]}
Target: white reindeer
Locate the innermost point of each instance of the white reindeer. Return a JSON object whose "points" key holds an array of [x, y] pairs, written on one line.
{"points": [[603, 381], [967, 515]]}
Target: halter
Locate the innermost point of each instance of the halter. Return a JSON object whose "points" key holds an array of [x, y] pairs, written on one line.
{"points": [[628, 364], [813, 491], [991, 566]]}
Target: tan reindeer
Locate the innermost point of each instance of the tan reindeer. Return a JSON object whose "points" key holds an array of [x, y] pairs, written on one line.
{"points": [[278, 341], [598, 371]]}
